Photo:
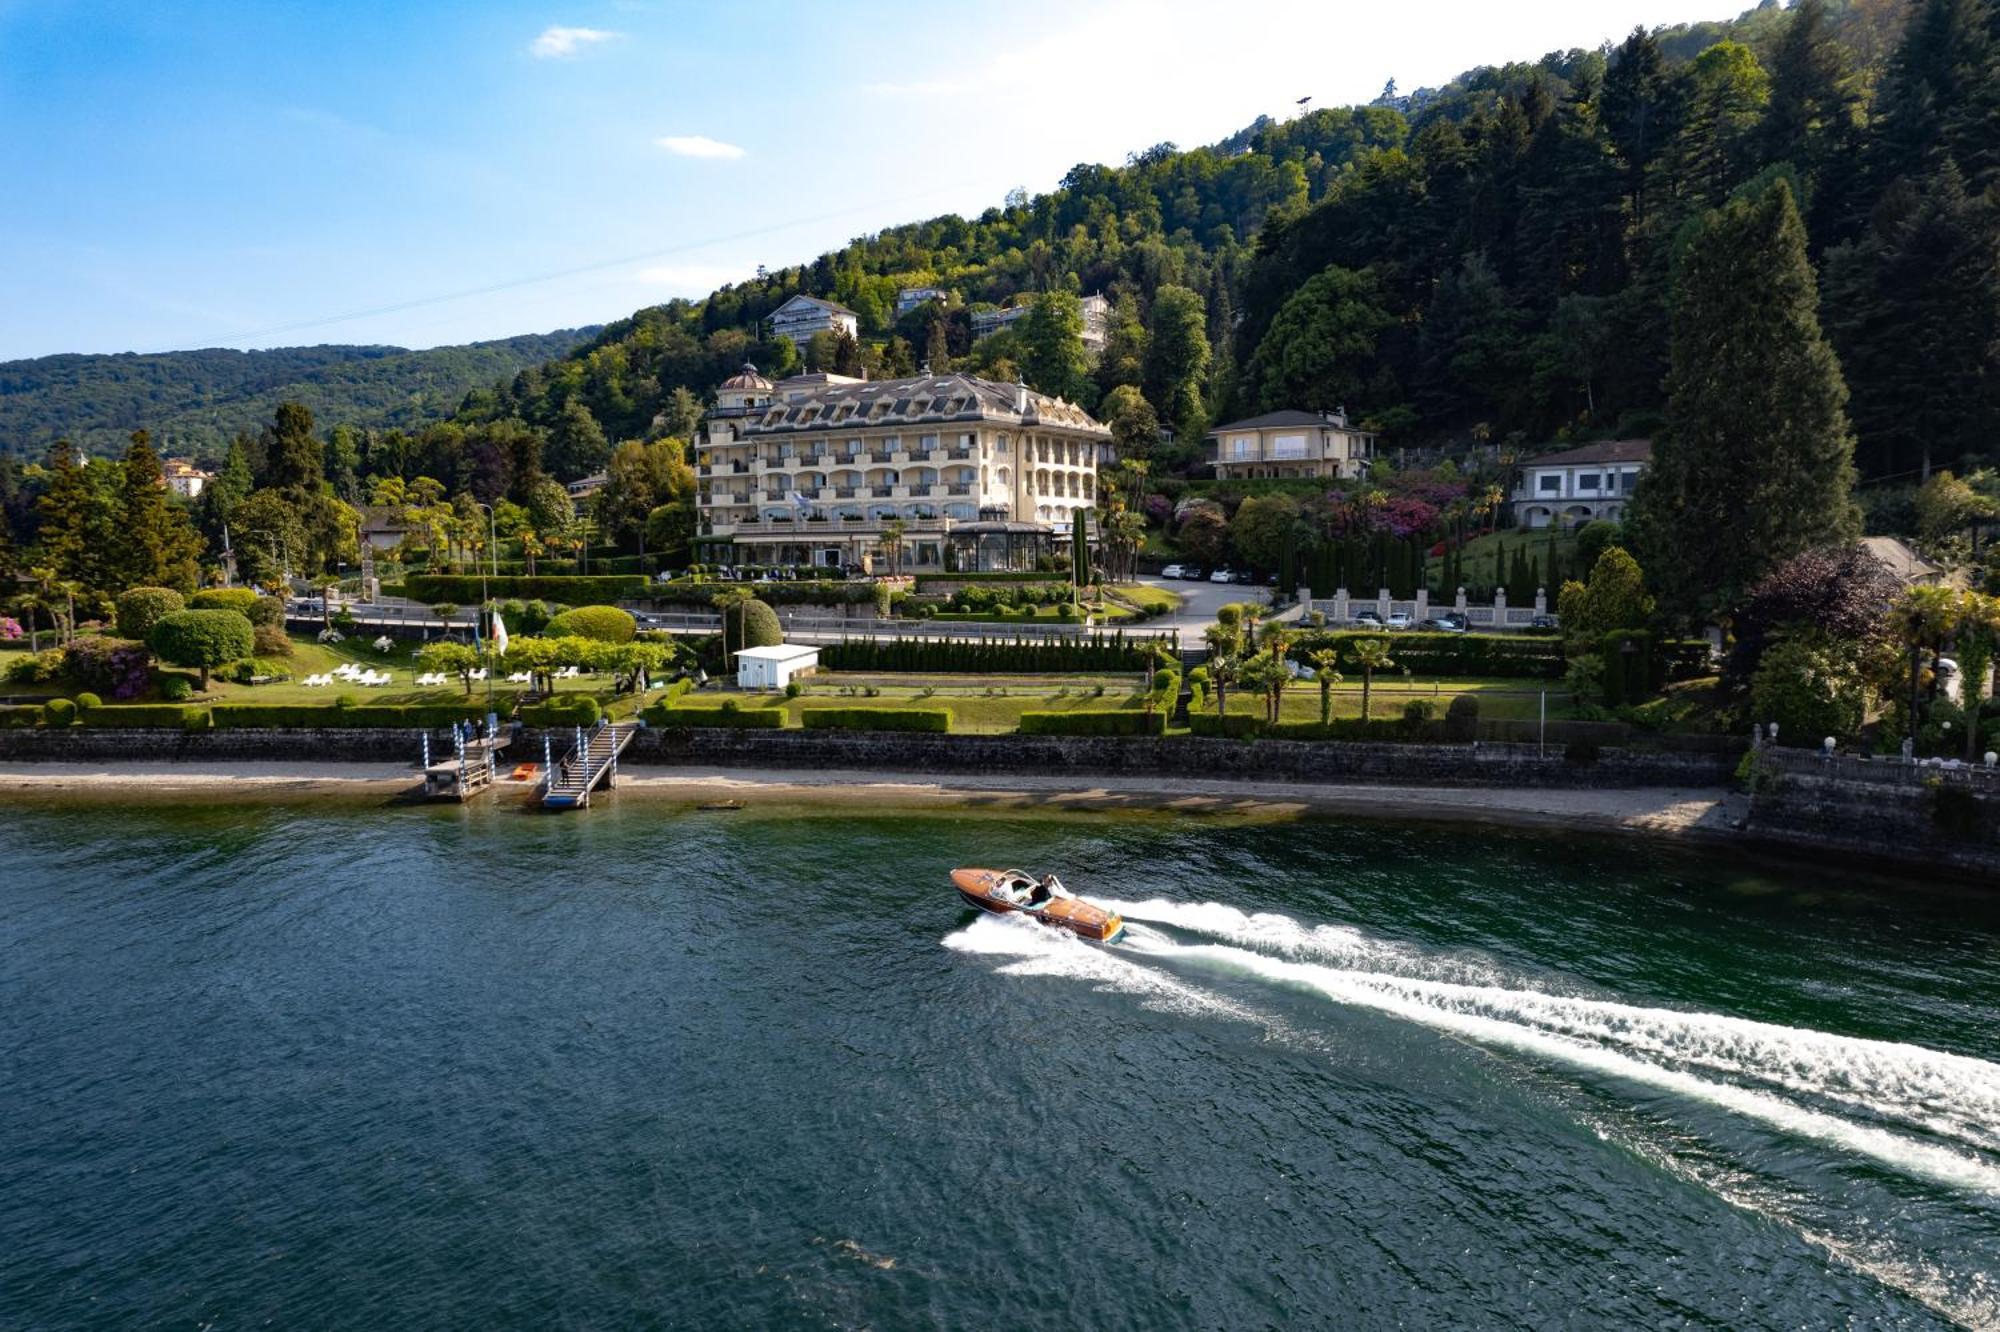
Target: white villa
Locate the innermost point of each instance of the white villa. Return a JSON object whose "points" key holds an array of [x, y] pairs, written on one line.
{"points": [[811, 470], [802, 316], [184, 478], [1575, 486], [1096, 321], [909, 298], [1292, 444]]}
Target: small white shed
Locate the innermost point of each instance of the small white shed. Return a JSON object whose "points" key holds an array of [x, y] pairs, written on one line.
{"points": [[774, 667]]}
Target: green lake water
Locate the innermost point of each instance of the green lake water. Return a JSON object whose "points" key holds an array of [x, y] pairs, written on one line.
{"points": [[331, 1067]]}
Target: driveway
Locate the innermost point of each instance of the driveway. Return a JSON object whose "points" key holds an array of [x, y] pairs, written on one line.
{"points": [[1200, 601]]}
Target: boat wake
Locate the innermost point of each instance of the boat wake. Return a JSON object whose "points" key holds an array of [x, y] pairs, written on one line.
{"points": [[1922, 1114]]}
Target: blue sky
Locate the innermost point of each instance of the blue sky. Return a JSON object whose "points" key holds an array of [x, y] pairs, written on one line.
{"points": [[292, 171]]}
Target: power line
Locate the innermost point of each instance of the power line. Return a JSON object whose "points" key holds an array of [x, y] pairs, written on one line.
{"points": [[581, 269]]}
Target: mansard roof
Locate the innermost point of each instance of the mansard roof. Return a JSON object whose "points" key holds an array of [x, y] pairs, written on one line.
{"points": [[925, 399]]}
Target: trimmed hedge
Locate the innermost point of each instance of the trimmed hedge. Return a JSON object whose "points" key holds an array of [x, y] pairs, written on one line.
{"points": [[315, 716], [1126, 721], [563, 710], [1480, 655], [600, 624], [934, 720], [1026, 576], [668, 715], [1083, 652], [148, 715], [461, 590]]}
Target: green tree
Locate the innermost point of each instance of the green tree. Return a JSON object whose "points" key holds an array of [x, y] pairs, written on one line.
{"points": [[1320, 350], [294, 458], [156, 543], [1325, 663], [1052, 355], [576, 447], [1371, 655], [202, 639], [1756, 462], [1177, 359]]}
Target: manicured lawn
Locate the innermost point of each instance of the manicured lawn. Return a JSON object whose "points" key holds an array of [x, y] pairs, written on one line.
{"points": [[988, 709], [1499, 700]]}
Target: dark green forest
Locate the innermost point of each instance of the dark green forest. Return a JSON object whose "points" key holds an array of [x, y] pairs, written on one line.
{"points": [[195, 402], [1491, 260]]}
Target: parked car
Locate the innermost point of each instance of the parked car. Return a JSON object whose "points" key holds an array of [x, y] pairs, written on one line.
{"points": [[1399, 620], [1366, 619], [1222, 576], [1171, 571]]}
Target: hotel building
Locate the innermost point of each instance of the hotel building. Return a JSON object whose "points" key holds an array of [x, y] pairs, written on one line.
{"points": [[810, 470]]}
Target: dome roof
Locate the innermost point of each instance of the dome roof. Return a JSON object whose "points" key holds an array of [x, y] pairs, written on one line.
{"points": [[747, 378]]}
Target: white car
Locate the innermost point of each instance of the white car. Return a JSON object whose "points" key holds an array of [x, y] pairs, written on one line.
{"points": [[1171, 571], [1222, 576]]}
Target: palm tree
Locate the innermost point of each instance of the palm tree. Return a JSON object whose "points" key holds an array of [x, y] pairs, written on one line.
{"points": [[1323, 662], [1222, 674], [1265, 673], [892, 535], [1371, 655], [1921, 619]]}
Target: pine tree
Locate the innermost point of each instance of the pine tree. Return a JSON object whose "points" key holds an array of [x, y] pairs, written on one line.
{"points": [[296, 460], [156, 545], [1756, 462], [1913, 304]]}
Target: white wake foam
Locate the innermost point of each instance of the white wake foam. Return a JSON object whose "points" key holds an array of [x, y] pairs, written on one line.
{"points": [[1949, 1095]]}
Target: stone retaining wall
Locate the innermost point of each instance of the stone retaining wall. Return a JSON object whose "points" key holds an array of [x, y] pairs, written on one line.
{"points": [[883, 751], [1179, 756], [1950, 826]]}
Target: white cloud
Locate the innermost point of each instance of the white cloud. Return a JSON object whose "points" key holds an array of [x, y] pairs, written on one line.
{"points": [[698, 145], [560, 43]]}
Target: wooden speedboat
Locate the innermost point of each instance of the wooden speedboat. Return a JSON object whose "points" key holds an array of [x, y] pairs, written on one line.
{"points": [[1045, 899]]}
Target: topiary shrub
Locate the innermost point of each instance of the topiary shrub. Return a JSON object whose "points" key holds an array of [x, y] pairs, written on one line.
{"points": [[238, 599], [176, 689], [87, 700], [603, 624], [59, 712], [271, 640], [753, 624], [140, 608], [203, 639]]}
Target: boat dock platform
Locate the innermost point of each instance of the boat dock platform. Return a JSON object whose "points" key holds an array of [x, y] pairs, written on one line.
{"points": [[473, 766]]}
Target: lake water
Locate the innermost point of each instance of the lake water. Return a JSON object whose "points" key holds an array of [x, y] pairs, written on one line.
{"points": [[340, 1068]]}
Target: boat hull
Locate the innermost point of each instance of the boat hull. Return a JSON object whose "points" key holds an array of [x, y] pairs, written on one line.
{"points": [[994, 891]]}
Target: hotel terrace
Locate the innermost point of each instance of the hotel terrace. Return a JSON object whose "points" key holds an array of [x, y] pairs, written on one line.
{"points": [[809, 471]]}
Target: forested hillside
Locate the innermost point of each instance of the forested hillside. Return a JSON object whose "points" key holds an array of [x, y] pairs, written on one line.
{"points": [[1485, 261], [196, 401]]}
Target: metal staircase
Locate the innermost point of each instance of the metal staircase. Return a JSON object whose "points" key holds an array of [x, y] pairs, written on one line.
{"points": [[591, 762]]}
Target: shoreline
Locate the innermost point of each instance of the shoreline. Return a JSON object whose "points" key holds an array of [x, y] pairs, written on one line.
{"points": [[1689, 812]]}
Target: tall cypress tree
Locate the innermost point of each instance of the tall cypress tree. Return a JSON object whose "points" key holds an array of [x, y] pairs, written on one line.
{"points": [[156, 544], [1757, 461]]}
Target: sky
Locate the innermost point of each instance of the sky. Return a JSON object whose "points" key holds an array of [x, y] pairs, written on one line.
{"points": [[302, 171]]}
